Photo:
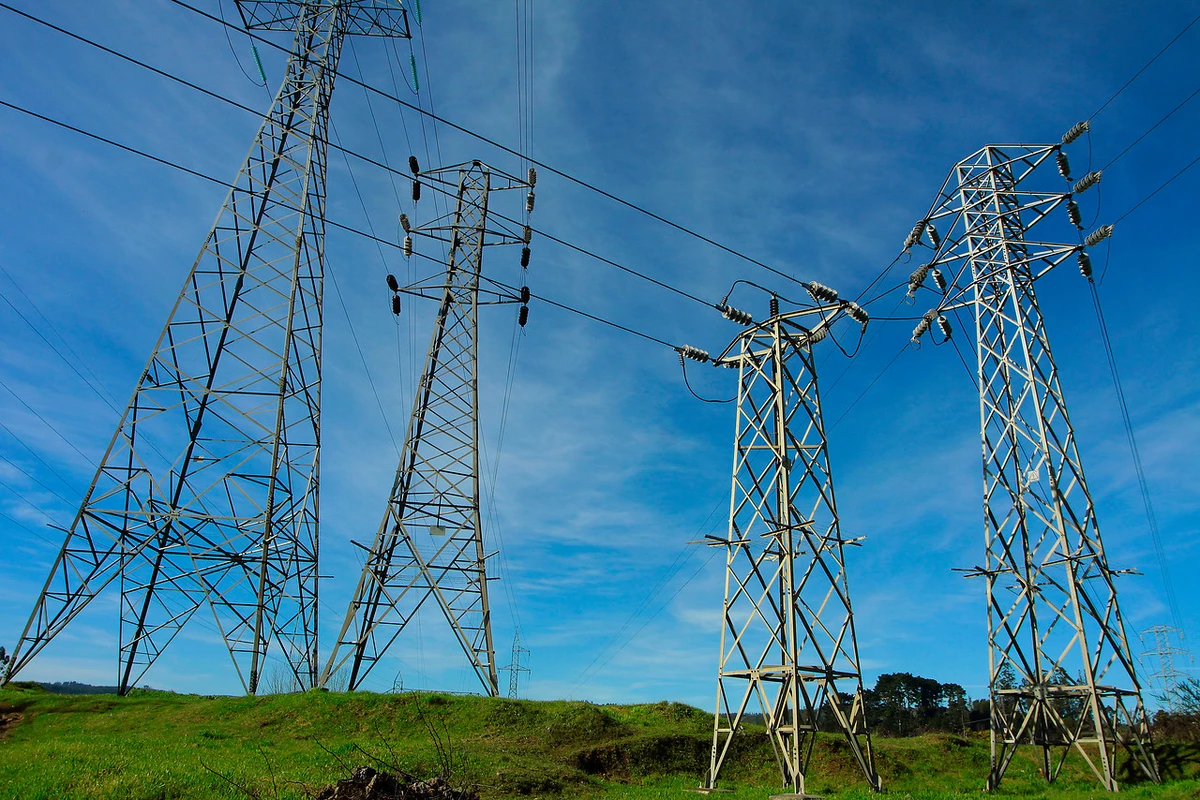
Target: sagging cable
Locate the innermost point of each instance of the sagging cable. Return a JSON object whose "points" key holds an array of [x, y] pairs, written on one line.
{"points": [[694, 353]]}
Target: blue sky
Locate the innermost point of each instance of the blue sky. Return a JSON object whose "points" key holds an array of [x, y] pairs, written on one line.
{"points": [[809, 136]]}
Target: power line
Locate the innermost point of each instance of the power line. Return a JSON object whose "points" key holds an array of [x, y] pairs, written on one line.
{"points": [[358, 346], [33, 453], [56, 332], [337, 145], [590, 254], [1151, 129], [870, 385], [1139, 469], [1145, 67], [330, 222], [45, 422], [30, 476], [20, 524], [480, 137], [58, 353], [1164, 185]]}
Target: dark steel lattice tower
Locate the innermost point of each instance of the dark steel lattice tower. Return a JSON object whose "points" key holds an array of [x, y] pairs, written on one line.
{"points": [[430, 542], [1062, 675], [208, 492], [787, 638]]}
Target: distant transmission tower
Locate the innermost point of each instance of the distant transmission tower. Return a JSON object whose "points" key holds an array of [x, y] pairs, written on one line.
{"points": [[430, 542], [1167, 675], [1062, 675], [515, 668], [788, 637], [208, 492]]}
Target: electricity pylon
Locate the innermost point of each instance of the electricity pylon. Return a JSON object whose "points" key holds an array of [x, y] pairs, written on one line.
{"points": [[1062, 677], [208, 492], [787, 638], [430, 542], [515, 668], [1165, 653]]}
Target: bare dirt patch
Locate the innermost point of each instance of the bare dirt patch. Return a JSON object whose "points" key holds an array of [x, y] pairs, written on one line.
{"points": [[8, 721]]}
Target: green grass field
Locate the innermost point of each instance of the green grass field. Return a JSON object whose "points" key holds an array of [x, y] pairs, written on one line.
{"points": [[158, 745]]}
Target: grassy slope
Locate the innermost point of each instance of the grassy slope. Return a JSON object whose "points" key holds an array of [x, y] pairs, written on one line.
{"points": [[158, 745]]}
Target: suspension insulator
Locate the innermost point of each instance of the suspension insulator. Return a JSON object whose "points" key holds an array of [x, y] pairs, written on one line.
{"points": [[944, 324], [857, 312], [1085, 264], [1064, 165], [924, 325], [917, 279], [412, 165], [396, 304], [1097, 236], [416, 195], [1073, 213], [404, 223], [392, 283], [774, 306], [737, 315], [934, 236], [524, 256], [1077, 130], [694, 353], [407, 248], [821, 293], [529, 203], [939, 279], [527, 234], [817, 335], [914, 236], [532, 177], [524, 295], [523, 316], [1087, 182]]}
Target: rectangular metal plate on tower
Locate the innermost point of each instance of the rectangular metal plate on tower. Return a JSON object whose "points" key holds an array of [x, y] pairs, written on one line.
{"points": [[366, 18]]}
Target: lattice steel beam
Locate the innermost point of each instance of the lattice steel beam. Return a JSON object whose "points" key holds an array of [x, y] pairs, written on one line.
{"points": [[1062, 676], [208, 492], [430, 542], [787, 638]]}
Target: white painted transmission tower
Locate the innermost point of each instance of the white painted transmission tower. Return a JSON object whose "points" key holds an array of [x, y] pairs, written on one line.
{"points": [[1062, 675], [787, 640]]}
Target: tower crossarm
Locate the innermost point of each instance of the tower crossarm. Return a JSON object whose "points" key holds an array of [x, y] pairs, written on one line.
{"points": [[361, 17]]}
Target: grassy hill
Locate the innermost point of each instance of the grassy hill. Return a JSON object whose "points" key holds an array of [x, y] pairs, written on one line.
{"points": [[155, 745]]}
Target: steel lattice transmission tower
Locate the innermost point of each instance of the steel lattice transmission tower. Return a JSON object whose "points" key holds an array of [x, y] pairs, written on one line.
{"points": [[208, 492], [1062, 676], [1165, 654], [430, 542], [788, 638], [515, 667]]}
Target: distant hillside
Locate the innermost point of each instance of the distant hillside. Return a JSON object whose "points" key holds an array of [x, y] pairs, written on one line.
{"points": [[73, 687], [288, 747]]}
